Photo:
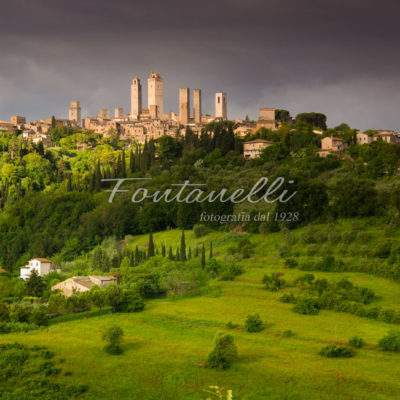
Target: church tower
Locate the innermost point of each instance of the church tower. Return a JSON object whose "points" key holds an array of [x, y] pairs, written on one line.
{"points": [[136, 97], [155, 93]]}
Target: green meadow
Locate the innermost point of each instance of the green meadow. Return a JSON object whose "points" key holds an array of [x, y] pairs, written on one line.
{"points": [[166, 345]]}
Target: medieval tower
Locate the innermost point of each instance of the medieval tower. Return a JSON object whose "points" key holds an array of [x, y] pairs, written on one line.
{"points": [[75, 112], [155, 94], [136, 97], [221, 105], [197, 105], [184, 106]]}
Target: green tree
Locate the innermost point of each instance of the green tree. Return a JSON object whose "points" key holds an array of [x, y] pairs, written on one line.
{"points": [[151, 246], [113, 336], [183, 247], [35, 285]]}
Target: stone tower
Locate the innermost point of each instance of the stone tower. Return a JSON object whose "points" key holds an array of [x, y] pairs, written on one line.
{"points": [[184, 106], [103, 113], [155, 93], [75, 112], [221, 105], [118, 112], [197, 105], [136, 97]]}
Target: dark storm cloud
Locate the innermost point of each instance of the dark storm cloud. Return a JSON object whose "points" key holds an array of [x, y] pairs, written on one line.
{"points": [[339, 57]]}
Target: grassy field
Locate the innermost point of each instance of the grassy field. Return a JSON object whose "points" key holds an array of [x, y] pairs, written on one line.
{"points": [[167, 344]]}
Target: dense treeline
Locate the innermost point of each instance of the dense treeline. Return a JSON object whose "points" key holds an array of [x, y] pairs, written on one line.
{"points": [[53, 201]]}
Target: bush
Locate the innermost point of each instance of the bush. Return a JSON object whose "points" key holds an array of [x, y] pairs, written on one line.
{"points": [[225, 351], [291, 263], [39, 316], [306, 305], [333, 351], [287, 334], [390, 342], [245, 248], [4, 328], [4, 313], [130, 301], [254, 323], [383, 250], [274, 282], [114, 337], [200, 230], [229, 273], [356, 342]]}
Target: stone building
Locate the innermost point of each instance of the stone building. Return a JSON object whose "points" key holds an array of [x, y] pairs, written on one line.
{"points": [[18, 120], [363, 138], [331, 145], [197, 106], [78, 284], [155, 94], [136, 98], [41, 265], [266, 119], [253, 148], [184, 106], [221, 107], [74, 112]]}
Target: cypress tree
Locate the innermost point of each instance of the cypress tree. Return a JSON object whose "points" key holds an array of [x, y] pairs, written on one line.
{"points": [[203, 257], [137, 255], [123, 166], [170, 255], [211, 250], [183, 247], [132, 167], [196, 252], [151, 246], [178, 256], [163, 250], [190, 253]]}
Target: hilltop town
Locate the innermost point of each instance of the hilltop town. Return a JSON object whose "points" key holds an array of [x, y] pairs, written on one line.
{"points": [[143, 124]]}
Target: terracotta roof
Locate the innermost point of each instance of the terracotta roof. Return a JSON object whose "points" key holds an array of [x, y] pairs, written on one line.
{"points": [[259, 141]]}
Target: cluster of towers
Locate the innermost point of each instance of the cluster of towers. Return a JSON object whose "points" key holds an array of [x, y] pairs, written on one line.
{"points": [[155, 108], [155, 101]]}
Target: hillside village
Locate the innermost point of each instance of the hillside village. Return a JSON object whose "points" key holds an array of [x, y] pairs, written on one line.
{"points": [[145, 124]]}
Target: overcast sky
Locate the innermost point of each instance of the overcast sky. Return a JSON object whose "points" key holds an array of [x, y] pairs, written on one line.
{"points": [[339, 57]]}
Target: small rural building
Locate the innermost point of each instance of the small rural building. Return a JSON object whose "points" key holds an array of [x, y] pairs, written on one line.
{"points": [[83, 283], [253, 148], [330, 145], [387, 136], [363, 138], [41, 265]]}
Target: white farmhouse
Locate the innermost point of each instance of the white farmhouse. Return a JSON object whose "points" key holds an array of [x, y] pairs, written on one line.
{"points": [[41, 265]]}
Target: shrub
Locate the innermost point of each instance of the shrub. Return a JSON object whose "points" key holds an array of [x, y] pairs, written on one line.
{"points": [[39, 316], [390, 342], [253, 323], [356, 342], [130, 301], [245, 248], [306, 305], [114, 337], [291, 263], [200, 230], [229, 273], [383, 250], [349, 237], [273, 282], [4, 328], [225, 351], [287, 334], [4, 313], [20, 313], [333, 351], [288, 298]]}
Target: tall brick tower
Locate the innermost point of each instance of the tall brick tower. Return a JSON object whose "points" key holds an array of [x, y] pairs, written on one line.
{"points": [[184, 106], [136, 97], [75, 112], [197, 105], [221, 105], [155, 93]]}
